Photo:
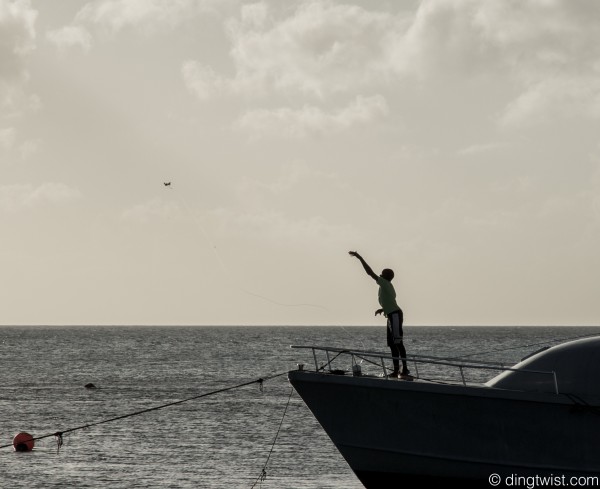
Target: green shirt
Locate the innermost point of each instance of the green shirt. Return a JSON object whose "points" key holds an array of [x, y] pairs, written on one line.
{"points": [[387, 296]]}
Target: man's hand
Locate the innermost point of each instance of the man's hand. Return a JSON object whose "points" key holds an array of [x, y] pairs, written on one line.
{"points": [[378, 311], [367, 268]]}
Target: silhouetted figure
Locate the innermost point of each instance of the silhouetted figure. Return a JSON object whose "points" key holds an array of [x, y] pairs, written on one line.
{"points": [[391, 310], [167, 184]]}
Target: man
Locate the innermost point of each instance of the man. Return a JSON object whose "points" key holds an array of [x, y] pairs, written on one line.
{"points": [[390, 309]]}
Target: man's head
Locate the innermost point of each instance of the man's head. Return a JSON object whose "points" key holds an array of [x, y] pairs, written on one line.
{"points": [[387, 274]]}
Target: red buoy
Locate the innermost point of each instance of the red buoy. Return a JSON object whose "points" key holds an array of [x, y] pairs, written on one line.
{"points": [[23, 442]]}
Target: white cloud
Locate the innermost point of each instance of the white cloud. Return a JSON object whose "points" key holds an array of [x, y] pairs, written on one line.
{"points": [[297, 179], [153, 209], [202, 81], [546, 51], [291, 176], [562, 96], [71, 36], [17, 197], [278, 227], [312, 120], [29, 148], [101, 20], [319, 49], [17, 39], [17, 35], [516, 185], [112, 16], [8, 142], [323, 49], [7, 137], [477, 149], [475, 36]]}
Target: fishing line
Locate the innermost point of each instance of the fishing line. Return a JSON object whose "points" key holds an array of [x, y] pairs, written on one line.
{"points": [[227, 272]]}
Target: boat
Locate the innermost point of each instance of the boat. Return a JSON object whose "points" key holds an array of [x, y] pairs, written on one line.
{"points": [[538, 420]]}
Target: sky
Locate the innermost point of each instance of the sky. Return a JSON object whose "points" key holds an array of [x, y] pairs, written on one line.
{"points": [[454, 141]]}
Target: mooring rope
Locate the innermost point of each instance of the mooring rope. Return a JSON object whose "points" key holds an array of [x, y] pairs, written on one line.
{"points": [[58, 435], [263, 474], [327, 364]]}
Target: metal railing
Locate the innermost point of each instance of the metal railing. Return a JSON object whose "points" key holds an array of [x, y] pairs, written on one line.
{"points": [[416, 360]]}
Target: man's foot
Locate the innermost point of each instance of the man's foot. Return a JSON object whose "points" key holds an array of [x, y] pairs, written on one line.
{"points": [[393, 375], [405, 375]]}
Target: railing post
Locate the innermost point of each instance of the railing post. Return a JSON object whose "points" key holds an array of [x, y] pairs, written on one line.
{"points": [[383, 366], [462, 375], [356, 371], [555, 382], [328, 360], [316, 362], [416, 368]]}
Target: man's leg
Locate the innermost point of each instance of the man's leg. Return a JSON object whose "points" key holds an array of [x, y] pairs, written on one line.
{"points": [[402, 354], [395, 354]]}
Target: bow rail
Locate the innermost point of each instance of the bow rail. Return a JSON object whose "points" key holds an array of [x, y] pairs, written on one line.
{"points": [[379, 360]]}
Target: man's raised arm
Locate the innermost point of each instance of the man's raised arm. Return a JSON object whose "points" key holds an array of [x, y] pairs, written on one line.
{"points": [[365, 265]]}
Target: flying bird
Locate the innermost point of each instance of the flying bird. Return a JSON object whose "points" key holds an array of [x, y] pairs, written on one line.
{"points": [[167, 184]]}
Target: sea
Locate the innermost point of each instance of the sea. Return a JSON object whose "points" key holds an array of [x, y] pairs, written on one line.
{"points": [[230, 430]]}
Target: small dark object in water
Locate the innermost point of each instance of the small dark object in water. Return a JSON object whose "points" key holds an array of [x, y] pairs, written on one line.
{"points": [[90, 386]]}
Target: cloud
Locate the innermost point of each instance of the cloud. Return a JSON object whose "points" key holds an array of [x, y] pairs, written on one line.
{"points": [[312, 120], [477, 149], [8, 142], [108, 17], [475, 36], [543, 52], [101, 20], [292, 184], [291, 176], [319, 49], [279, 227], [151, 210], [14, 198], [29, 148], [17, 39], [203, 81], [71, 36], [563, 96], [546, 51], [17, 36], [7, 137]]}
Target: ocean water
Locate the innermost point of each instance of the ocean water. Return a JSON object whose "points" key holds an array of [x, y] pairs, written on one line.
{"points": [[217, 441]]}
